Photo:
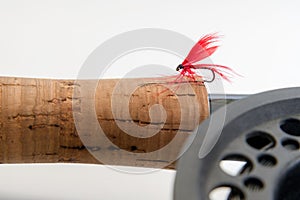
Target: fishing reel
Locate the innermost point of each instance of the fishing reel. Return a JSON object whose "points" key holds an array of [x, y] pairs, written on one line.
{"points": [[248, 150]]}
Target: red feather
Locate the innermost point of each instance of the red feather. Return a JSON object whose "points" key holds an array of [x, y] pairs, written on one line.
{"points": [[204, 48]]}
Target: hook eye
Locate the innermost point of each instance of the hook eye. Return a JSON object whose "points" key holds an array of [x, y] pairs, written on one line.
{"points": [[179, 67]]}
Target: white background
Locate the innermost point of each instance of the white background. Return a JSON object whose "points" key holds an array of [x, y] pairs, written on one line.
{"points": [[53, 38], [82, 182]]}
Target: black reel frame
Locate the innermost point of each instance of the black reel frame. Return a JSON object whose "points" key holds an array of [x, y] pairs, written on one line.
{"points": [[263, 133]]}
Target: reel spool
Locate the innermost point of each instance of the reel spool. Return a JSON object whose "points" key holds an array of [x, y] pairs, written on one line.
{"points": [[256, 154]]}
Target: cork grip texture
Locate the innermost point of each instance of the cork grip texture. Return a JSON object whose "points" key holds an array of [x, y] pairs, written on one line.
{"points": [[37, 124]]}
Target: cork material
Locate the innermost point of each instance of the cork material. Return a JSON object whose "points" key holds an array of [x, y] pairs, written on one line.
{"points": [[37, 123]]}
